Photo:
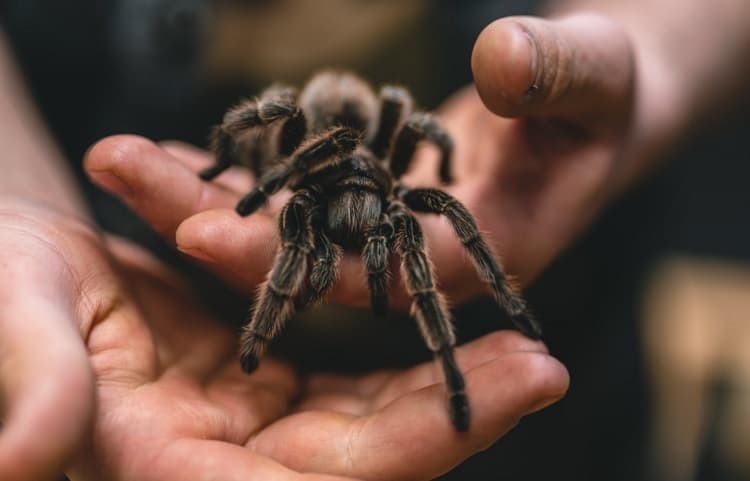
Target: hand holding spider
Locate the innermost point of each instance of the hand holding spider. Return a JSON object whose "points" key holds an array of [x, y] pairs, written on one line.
{"points": [[581, 124], [532, 184], [129, 379]]}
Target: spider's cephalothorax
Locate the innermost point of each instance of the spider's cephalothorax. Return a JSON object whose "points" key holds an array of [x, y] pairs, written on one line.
{"points": [[342, 150]]}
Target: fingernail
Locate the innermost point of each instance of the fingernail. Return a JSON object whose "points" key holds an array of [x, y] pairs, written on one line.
{"points": [[521, 60], [533, 85], [110, 181], [542, 404], [196, 253]]}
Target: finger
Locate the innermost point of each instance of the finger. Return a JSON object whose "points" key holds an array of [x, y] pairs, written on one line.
{"points": [[242, 249], [207, 459], [469, 356], [236, 179], [46, 385], [239, 249], [152, 182], [416, 426], [575, 67], [366, 394], [500, 393]]}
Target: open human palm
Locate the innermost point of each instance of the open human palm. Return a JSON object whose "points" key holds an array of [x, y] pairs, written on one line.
{"points": [[173, 388], [171, 401]]}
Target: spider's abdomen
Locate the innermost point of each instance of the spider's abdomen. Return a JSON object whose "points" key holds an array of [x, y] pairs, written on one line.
{"points": [[351, 211], [339, 98]]}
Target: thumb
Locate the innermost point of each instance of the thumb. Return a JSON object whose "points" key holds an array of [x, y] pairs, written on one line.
{"points": [[579, 67], [46, 385]]}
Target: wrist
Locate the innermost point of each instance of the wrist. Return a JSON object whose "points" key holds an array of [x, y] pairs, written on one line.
{"points": [[32, 165]]}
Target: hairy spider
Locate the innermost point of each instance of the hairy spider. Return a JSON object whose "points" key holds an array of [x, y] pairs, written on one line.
{"points": [[342, 150]]}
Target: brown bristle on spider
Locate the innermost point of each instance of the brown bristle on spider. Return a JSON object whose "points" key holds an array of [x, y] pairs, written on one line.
{"points": [[342, 150]]}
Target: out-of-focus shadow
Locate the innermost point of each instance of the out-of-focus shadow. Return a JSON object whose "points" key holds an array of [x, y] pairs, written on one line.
{"points": [[696, 328]]}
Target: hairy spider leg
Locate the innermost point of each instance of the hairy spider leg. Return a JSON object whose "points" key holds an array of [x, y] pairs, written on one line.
{"points": [[421, 126], [438, 202], [329, 147], [276, 104], [375, 258], [395, 104], [430, 308], [275, 304], [325, 261]]}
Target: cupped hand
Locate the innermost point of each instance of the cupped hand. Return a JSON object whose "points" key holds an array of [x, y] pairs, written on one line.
{"points": [[110, 370], [46, 382]]}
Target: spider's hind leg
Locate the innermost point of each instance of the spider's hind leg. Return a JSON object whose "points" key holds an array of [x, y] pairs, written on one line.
{"points": [[438, 202], [275, 305], [430, 308]]}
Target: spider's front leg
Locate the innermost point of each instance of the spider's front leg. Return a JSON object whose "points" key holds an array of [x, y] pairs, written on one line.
{"points": [[375, 257], [395, 103], [430, 308], [330, 146], [325, 262], [276, 104], [421, 126], [438, 202], [275, 305]]}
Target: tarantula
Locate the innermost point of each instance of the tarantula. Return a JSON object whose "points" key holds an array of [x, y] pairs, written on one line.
{"points": [[343, 150]]}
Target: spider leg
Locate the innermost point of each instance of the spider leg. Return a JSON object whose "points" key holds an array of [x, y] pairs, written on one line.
{"points": [[276, 104], [225, 150], [375, 257], [395, 102], [438, 202], [329, 147], [275, 305], [430, 308], [421, 126], [325, 262]]}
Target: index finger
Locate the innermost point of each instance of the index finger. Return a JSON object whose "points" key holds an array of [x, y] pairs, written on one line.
{"points": [[154, 182]]}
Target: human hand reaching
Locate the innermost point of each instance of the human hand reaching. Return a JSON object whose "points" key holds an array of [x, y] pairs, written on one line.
{"points": [[109, 370], [537, 176], [533, 182]]}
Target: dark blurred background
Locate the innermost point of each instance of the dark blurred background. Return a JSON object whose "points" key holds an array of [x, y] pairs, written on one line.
{"points": [[649, 310]]}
